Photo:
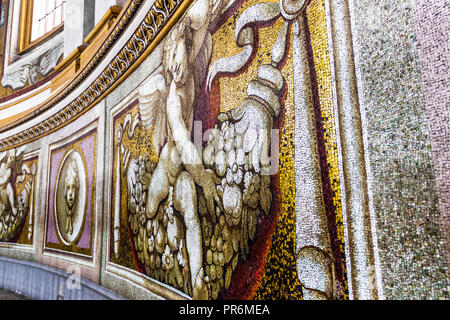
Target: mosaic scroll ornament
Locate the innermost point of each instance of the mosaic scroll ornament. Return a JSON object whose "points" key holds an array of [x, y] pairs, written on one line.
{"points": [[14, 207]]}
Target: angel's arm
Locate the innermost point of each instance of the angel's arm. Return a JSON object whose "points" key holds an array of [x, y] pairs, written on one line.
{"points": [[188, 152], [180, 134]]}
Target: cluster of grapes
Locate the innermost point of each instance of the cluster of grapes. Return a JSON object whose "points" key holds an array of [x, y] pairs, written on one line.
{"points": [[227, 232], [158, 241], [11, 220]]}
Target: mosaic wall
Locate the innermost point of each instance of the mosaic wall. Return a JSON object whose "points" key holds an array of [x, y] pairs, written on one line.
{"points": [[17, 196], [178, 179], [431, 25], [412, 253]]}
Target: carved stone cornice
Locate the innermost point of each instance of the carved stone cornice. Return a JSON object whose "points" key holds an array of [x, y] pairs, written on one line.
{"points": [[161, 16]]}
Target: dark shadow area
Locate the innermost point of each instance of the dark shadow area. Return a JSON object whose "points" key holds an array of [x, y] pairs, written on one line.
{"points": [[9, 295]]}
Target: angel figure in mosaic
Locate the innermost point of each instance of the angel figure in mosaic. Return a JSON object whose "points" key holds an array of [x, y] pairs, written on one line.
{"points": [[7, 171], [180, 165], [218, 193]]}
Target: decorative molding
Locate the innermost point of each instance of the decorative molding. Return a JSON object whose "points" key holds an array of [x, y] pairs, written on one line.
{"points": [[109, 17], [150, 31], [73, 56]]}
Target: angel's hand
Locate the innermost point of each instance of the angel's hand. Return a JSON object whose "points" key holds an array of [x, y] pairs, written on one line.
{"points": [[209, 189]]}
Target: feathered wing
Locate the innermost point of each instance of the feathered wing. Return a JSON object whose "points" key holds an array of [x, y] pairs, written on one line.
{"points": [[152, 105], [18, 160]]}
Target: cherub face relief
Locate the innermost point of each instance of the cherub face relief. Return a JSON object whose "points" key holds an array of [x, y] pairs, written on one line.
{"points": [[72, 185]]}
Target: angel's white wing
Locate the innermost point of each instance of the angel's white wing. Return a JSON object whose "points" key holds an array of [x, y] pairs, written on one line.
{"points": [[152, 109]]}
